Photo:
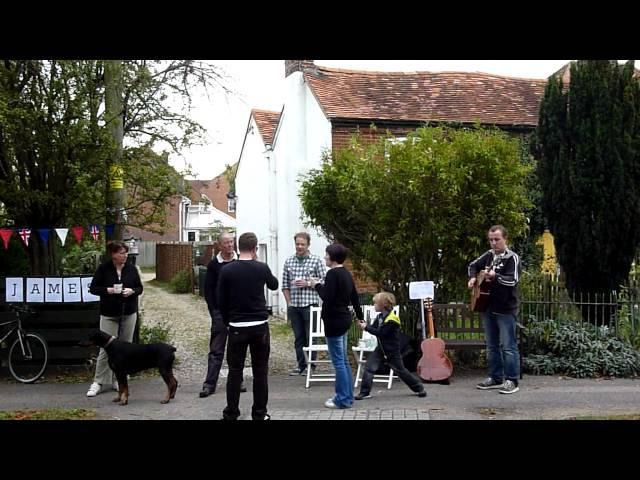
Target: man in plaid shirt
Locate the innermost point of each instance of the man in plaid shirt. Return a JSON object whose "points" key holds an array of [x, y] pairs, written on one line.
{"points": [[300, 295]]}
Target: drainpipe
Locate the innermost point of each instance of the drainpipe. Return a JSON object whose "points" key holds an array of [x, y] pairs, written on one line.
{"points": [[273, 224]]}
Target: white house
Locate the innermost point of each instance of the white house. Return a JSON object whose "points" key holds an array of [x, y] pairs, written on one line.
{"points": [[325, 106]]}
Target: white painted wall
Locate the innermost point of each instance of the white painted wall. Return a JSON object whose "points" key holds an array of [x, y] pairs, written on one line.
{"points": [[303, 133], [268, 182], [252, 187], [201, 216]]}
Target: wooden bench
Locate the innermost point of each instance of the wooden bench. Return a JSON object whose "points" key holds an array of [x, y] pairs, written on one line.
{"points": [[462, 329]]}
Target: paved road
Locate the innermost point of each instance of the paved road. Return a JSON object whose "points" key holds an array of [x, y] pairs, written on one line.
{"points": [[539, 398]]}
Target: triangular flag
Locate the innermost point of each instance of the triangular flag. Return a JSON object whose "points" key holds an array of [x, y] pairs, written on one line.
{"points": [[44, 234], [6, 233], [94, 231], [77, 232], [24, 234], [62, 234], [109, 229]]}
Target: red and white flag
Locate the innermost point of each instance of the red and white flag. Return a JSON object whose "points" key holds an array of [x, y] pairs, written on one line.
{"points": [[24, 234], [94, 231]]}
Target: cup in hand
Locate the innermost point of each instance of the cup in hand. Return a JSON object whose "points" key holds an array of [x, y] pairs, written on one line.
{"points": [[117, 288]]}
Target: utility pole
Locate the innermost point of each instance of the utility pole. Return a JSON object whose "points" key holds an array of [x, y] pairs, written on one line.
{"points": [[114, 117]]}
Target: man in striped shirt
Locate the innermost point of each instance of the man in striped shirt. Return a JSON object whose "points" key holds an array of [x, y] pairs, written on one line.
{"points": [[300, 295], [503, 272]]}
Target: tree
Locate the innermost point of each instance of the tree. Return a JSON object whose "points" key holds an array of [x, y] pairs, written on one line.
{"points": [[419, 209], [55, 146], [588, 144]]}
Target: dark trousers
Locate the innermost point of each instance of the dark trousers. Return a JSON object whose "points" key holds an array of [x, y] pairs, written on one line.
{"points": [[258, 340], [394, 360], [301, 324], [217, 345]]}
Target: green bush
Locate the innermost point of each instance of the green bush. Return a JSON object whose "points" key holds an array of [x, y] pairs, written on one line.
{"points": [[155, 333], [81, 259], [181, 282], [578, 350]]}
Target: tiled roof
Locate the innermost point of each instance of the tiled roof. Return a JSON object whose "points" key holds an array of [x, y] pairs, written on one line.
{"points": [[426, 96], [267, 122]]}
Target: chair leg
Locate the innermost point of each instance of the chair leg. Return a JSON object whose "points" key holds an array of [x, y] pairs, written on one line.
{"points": [[390, 379], [309, 364]]}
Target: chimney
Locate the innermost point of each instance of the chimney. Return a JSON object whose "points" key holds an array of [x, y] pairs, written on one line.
{"points": [[291, 66]]}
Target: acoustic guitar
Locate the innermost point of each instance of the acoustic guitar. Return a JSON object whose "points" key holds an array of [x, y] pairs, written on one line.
{"points": [[480, 292], [434, 366]]}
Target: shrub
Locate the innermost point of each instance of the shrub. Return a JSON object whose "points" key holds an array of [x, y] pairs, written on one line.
{"points": [[81, 259], [155, 333], [181, 282], [578, 350]]}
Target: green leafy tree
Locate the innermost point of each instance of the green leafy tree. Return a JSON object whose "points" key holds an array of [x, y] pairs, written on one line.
{"points": [[589, 168], [55, 146], [419, 209]]}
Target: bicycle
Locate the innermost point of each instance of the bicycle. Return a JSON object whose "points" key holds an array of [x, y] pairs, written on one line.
{"points": [[29, 353]]}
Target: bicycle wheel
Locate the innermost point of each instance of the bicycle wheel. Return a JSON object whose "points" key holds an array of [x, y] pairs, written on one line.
{"points": [[30, 367]]}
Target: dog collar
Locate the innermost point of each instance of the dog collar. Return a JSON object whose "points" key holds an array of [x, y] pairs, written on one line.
{"points": [[109, 342]]}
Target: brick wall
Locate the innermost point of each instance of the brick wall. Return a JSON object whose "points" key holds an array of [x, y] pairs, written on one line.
{"points": [[363, 284], [341, 134], [172, 257]]}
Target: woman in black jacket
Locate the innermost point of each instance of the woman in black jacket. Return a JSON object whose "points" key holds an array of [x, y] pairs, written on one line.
{"points": [[337, 293], [118, 285]]}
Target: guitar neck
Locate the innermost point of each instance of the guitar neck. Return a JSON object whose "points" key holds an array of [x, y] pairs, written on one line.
{"points": [[431, 329], [424, 328]]}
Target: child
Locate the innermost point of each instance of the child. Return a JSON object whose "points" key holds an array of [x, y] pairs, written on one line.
{"points": [[387, 328]]}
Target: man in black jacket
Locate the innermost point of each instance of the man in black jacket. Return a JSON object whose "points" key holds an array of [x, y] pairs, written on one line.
{"points": [[503, 272], [218, 339], [240, 296]]}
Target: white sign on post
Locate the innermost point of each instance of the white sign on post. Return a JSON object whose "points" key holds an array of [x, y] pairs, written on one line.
{"points": [[14, 289], [420, 290]]}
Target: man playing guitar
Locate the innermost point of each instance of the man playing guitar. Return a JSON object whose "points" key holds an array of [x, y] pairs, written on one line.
{"points": [[502, 267]]}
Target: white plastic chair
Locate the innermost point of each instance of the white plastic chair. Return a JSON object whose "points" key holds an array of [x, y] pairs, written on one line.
{"points": [[317, 344], [368, 344]]}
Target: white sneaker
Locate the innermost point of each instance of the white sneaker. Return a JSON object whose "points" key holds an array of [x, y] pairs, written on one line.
{"points": [[94, 389], [115, 385]]}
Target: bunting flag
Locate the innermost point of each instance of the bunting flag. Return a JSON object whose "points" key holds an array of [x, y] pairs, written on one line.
{"points": [[6, 233], [62, 234], [77, 232], [44, 235], [24, 234], [94, 231], [109, 229]]}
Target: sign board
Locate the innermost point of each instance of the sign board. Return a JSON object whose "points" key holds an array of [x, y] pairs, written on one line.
{"points": [[49, 290], [420, 290]]}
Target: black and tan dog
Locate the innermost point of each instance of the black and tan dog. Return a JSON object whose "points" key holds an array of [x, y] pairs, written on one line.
{"points": [[128, 358]]}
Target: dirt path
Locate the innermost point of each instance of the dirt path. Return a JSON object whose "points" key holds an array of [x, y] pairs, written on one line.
{"points": [[188, 319]]}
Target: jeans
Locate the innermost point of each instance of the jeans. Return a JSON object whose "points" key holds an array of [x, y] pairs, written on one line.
{"points": [[502, 347], [344, 383], [217, 345], [300, 323], [375, 360], [258, 340]]}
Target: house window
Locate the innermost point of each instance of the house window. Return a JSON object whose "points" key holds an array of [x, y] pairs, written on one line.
{"points": [[231, 204], [392, 141], [191, 236]]}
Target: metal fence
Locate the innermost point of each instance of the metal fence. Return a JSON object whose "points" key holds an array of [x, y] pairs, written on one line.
{"points": [[146, 253]]}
